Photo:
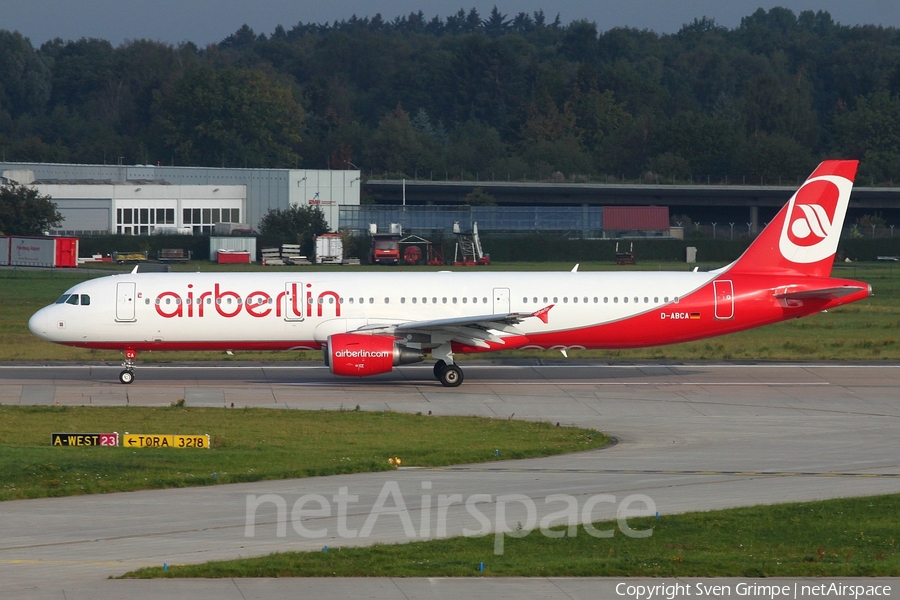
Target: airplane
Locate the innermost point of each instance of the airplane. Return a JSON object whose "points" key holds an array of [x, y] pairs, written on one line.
{"points": [[368, 323]]}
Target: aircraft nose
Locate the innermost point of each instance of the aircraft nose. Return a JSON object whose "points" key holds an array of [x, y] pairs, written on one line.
{"points": [[39, 324]]}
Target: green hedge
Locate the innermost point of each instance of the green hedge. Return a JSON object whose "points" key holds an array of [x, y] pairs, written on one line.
{"points": [[512, 248], [536, 248], [107, 244]]}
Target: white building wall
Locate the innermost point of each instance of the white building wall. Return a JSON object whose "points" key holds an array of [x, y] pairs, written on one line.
{"points": [[327, 190], [141, 208], [265, 189]]}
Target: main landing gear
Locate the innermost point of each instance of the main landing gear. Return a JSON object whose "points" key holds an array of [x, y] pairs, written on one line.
{"points": [[127, 376], [449, 375]]}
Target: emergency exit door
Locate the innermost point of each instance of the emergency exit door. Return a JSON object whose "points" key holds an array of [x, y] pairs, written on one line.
{"points": [[125, 301], [501, 301], [724, 299]]}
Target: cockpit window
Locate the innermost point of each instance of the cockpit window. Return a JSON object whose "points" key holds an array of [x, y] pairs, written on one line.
{"points": [[75, 299]]}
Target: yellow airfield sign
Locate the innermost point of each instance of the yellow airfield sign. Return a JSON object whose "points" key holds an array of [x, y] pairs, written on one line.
{"points": [[145, 440]]}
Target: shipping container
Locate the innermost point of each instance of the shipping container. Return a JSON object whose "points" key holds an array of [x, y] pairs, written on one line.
{"points": [[241, 244], [23, 251], [636, 218], [329, 248], [232, 257]]}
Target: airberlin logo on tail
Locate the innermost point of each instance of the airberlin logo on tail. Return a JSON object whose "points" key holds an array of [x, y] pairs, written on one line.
{"points": [[814, 217]]}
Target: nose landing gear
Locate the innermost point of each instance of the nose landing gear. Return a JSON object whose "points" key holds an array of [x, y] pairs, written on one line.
{"points": [[127, 375]]}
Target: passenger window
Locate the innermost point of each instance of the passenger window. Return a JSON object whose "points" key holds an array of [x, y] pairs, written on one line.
{"points": [[465, 299], [524, 300], [575, 299], [585, 299], [555, 299], [403, 300], [434, 300], [444, 300], [605, 299], [565, 299], [655, 299], [535, 300], [676, 299], [454, 300], [484, 300], [387, 300], [351, 300], [625, 299], [415, 300], [636, 299], [615, 300], [371, 300], [646, 299], [146, 300]]}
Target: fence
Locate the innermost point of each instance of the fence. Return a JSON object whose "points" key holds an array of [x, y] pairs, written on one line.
{"points": [[586, 221]]}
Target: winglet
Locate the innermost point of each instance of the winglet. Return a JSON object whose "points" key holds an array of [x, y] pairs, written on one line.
{"points": [[543, 313]]}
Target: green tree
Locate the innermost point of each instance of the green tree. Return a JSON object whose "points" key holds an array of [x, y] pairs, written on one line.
{"points": [[295, 225], [478, 197], [871, 132], [231, 117], [396, 146], [24, 76], [23, 211]]}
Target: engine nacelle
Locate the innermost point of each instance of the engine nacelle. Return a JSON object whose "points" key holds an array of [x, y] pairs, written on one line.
{"points": [[358, 355]]}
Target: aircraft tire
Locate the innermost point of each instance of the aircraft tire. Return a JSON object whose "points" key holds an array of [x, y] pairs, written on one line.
{"points": [[439, 367], [451, 376], [126, 376]]}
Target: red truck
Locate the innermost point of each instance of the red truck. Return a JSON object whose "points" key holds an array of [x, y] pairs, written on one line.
{"points": [[385, 249]]}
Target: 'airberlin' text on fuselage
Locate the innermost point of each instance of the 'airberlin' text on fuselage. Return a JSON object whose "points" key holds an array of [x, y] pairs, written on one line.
{"points": [[288, 303]]}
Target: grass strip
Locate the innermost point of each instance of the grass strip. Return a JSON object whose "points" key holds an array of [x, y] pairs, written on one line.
{"points": [[252, 445], [851, 537]]}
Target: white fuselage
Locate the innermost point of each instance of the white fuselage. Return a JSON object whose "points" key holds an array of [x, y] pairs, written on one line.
{"points": [[301, 309]]}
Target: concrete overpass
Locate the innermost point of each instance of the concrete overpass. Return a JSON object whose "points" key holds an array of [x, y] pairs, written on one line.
{"points": [[722, 203]]}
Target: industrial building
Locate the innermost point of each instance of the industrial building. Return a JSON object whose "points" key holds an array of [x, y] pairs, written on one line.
{"points": [[146, 199]]}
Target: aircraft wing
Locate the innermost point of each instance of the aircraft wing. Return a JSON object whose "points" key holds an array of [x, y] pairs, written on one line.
{"points": [[823, 294], [476, 330]]}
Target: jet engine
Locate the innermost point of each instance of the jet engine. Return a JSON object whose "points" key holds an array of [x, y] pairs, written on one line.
{"points": [[358, 355]]}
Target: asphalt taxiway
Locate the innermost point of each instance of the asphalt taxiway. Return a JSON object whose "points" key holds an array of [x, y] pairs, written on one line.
{"points": [[689, 437]]}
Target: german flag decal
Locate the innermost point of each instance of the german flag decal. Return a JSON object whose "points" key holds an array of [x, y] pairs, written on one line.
{"points": [[695, 316]]}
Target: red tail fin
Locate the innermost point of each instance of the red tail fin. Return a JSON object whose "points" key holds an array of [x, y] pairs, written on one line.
{"points": [[803, 236]]}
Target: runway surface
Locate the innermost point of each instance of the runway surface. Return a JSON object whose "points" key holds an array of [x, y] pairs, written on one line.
{"points": [[689, 437]]}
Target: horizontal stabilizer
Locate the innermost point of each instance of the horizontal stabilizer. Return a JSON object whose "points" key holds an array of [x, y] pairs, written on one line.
{"points": [[823, 294]]}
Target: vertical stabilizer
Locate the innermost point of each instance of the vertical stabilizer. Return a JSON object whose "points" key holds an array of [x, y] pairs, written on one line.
{"points": [[803, 236]]}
